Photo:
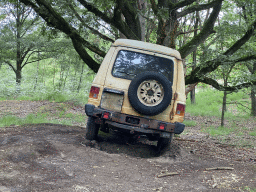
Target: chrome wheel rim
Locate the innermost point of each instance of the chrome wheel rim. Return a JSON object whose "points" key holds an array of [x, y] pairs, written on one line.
{"points": [[150, 92]]}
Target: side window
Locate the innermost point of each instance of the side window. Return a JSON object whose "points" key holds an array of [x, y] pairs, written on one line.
{"points": [[128, 64]]}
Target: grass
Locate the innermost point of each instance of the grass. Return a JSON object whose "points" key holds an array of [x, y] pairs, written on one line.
{"points": [[30, 119], [65, 119], [219, 130], [189, 123], [52, 95], [209, 103], [234, 129], [47, 84], [248, 189], [252, 133], [233, 134]]}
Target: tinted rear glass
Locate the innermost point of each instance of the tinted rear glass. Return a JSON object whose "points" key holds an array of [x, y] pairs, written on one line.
{"points": [[128, 64]]}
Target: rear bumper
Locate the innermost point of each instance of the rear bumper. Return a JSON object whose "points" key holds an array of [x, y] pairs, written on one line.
{"points": [[142, 125]]}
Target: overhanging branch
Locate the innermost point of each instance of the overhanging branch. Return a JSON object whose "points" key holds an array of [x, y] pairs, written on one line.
{"points": [[196, 8], [216, 85], [181, 4], [9, 63], [92, 29], [210, 66], [197, 74], [116, 22], [46, 11], [204, 34], [238, 44]]}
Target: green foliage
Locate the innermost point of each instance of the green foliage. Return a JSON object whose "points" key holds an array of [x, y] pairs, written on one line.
{"points": [[249, 189], [252, 133], [209, 102], [30, 119], [66, 119], [219, 130], [232, 133], [189, 123], [206, 99], [48, 80]]}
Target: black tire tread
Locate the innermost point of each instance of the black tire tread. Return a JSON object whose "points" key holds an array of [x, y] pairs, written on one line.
{"points": [[92, 129]]}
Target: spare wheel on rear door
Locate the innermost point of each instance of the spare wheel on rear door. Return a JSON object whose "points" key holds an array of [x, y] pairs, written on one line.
{"points": [[150, 93]]}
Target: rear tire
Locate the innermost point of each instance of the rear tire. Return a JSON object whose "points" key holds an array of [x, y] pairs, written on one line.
{"points": [[92, 129], [164, 142]]}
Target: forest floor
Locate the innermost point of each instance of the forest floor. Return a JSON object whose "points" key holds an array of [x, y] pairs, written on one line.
{"points": [[55, 157]]}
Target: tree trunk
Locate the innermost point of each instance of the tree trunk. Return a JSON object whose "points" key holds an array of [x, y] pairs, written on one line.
{"points": [[253, 98], [80, 79], [142, 5], [253, 92], [193, 92], [224, 102], [18, 76], [171, 25], [18, 48], [65, 79], [54, 70], [37, 70]]}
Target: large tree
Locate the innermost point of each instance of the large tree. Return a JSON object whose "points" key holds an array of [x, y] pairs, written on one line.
{"points": [[21, 41], [151, 20], [17, 41]]}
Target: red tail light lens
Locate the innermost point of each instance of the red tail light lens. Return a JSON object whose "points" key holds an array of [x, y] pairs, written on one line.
{"points": [[180, 110], [161, 126], [94, 92], [106, 115], [180, 107]]}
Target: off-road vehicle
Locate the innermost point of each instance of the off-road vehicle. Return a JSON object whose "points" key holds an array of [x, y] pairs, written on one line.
{"points": [[139, 89]]}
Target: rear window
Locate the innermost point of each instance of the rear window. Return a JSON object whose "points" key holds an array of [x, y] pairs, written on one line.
{"points": [[128, 64]]}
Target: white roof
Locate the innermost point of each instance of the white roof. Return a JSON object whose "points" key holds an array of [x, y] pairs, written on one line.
{"points": [[147, 46]]}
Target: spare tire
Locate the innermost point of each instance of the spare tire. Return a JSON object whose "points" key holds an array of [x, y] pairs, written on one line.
{"points": [[150, 93]]}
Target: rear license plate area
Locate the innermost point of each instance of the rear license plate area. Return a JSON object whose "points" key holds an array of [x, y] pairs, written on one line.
{"points": [[132, 120], [112, 101]]}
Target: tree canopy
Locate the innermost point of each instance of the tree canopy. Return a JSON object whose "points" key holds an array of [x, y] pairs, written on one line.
{"points": [[21, 39], [164, 22]]}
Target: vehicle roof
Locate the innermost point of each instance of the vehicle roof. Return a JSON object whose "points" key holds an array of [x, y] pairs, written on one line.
{"points": [[147, 46]]}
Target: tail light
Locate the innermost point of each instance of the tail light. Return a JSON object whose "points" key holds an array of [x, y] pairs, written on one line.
{"points": [[180, 110], [94, 92], [106, 115], [162, 126]]}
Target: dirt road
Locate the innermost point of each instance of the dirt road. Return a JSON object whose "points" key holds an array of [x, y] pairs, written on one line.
{"points": [[49, 157]]}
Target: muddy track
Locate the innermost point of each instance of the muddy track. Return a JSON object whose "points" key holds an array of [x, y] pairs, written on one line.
{"points": [[48, 157]]}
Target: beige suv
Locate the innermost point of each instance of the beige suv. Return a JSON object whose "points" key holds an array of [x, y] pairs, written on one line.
{"points": [[138, 89]]}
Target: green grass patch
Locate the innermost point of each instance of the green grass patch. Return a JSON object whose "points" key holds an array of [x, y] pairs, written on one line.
{"points": [[209, 103], [249, 189], [189, 123], [219, 130], [68, 119], [252, 133], [69, 115], [30, 119], [79, 118], [240, 133]]}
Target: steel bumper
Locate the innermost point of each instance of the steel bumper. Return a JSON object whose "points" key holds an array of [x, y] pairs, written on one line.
{"points": [[145, 125]]}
